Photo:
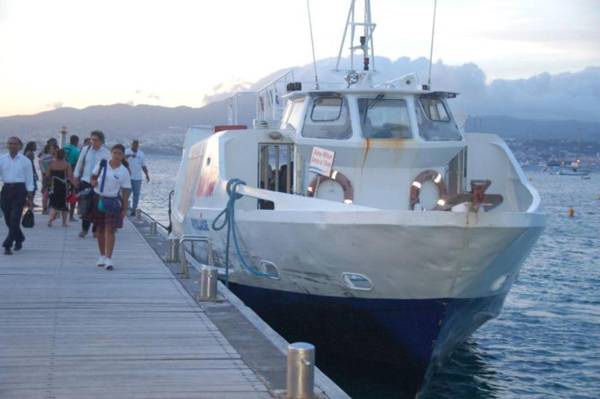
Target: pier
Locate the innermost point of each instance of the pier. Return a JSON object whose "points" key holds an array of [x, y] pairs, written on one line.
{"points": [[69, 329]]}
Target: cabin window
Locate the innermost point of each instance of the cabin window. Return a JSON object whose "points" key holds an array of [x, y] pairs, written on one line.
{"points": [[384, 118], [276, 170], [293, 114], [434, 109], [327, 118], [435, 121]]}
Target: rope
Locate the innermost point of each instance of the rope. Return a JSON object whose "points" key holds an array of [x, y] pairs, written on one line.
{"points": [[228, 216]]}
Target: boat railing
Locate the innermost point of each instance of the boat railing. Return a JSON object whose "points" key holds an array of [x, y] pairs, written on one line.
{"points": [[293, 202], [269, 98]]}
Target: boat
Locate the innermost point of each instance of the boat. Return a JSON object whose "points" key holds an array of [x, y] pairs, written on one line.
{"points": [[573, 169], [360, 218], [552, 167]]}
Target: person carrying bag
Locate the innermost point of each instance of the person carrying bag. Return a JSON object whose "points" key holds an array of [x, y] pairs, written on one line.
{"points": [[88, 161], [112, 183], [85, 194]]}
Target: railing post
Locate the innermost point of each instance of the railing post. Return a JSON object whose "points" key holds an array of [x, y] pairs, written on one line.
{"points": [[173, 254], [185, 267], [153, 227], [209, 276], [300, 371], [210, 256]]}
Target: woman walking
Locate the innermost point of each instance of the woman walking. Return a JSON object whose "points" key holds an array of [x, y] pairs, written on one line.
{"points": [[59, 175], [111, 182], [29, 152], [45, 158]]}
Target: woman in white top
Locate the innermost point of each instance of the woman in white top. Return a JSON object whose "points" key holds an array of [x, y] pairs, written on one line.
{"points": [[111, 182]]}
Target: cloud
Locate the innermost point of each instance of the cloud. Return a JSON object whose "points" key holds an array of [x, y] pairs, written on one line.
{"points": [[55, 105], [573, 95]]}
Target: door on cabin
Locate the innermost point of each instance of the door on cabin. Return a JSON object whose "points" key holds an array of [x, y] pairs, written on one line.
{"points": [[275, 170]]}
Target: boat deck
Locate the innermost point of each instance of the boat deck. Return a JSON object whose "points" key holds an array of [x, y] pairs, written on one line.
{"points": [[69, 329]]}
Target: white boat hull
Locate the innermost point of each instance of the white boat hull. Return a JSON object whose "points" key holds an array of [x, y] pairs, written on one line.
{"points": [[436, 276]]}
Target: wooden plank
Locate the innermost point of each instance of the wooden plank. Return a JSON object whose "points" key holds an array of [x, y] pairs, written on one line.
{"points": [[69, 329]]}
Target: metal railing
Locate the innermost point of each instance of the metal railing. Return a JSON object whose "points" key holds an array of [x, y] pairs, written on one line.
{"points": [[185, 268], [139, 214], [154, 223]]}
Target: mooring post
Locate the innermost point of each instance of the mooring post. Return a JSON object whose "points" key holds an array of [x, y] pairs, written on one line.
{"points": [[209, 276], [138, 215], [173, 254], [300, 371], [185, 267], [153, 227]]}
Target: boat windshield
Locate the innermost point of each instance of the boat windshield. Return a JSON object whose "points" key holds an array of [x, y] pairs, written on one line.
{"points": [[293, 114], [384, 118], [327, 118], [435, 121]]}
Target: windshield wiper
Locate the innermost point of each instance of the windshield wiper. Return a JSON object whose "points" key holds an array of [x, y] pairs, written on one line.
{"points": [[371, 105], [375, 101]]}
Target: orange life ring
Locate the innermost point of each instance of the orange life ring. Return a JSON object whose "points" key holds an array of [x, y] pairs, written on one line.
{"points": [[417, 183], [337, 177]]}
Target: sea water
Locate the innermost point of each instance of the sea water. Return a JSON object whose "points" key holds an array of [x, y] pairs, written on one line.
{"points": [[546, 341]]}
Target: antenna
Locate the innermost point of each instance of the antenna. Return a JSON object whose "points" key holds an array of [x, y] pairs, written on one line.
{"points": [[366, 39], [432, 38], [312, 42]]}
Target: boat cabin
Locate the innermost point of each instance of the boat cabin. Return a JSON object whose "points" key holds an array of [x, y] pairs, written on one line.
{"points": [[356, 116], [378, 140]]}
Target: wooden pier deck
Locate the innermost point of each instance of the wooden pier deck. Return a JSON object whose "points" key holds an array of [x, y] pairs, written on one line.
{"points": [[69, 329]]}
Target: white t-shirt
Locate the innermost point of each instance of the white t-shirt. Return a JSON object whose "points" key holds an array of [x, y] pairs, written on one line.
{"points": [[116, 179], [136, 162]]}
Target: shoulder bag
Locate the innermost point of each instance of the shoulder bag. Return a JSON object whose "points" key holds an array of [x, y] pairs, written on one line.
{"points": [[108, 205]]}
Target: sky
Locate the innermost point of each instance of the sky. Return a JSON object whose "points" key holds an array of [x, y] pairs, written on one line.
{"points": [[78, 53]]}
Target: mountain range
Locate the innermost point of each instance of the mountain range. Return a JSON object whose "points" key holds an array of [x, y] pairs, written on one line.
{"points": [[542, 107]]}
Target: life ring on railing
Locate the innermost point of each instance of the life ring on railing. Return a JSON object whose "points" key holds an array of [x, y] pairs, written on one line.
{"points": [[337, 177], [417, 183]]}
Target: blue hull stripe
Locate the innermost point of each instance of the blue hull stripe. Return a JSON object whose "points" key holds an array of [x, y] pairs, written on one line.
{"points": [[400, 332]]}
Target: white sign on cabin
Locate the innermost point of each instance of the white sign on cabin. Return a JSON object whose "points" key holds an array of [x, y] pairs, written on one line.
{"points": [[321, 161]]}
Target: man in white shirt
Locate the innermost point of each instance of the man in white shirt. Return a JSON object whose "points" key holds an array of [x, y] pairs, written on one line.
{"points": [[89, 158], [137, 165], [17, 174]]}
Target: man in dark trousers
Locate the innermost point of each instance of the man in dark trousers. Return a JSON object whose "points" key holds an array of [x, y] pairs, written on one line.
{"points": [[17, 174]]}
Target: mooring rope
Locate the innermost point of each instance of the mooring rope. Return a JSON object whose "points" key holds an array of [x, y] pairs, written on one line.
{"points": [[228, 215]]}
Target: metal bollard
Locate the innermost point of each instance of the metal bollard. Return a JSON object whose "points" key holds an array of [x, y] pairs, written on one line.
{"points": [[153, 227], [209, 276], [300, 371], [138, 215], [173, 255], [185, 267]]}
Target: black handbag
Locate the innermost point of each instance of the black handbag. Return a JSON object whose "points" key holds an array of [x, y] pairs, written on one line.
{"points": [[28, 220]]}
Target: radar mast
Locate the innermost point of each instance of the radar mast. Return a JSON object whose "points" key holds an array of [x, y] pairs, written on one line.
{"points": [[365, 40]]}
